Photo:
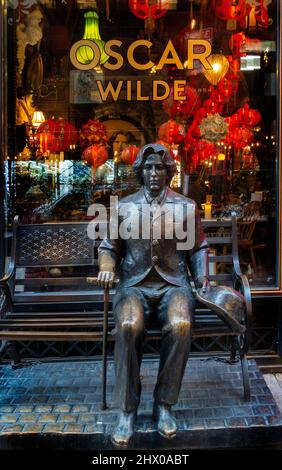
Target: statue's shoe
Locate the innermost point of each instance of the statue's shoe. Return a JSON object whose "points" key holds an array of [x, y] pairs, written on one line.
{"points": [[124, 428], [167, 426]]}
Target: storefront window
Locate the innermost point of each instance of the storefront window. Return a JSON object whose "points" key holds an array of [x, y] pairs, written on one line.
{"points": [[90, 82]]}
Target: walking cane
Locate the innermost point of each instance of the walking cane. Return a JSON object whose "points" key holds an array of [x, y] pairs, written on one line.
{"points": [[93, 280]]}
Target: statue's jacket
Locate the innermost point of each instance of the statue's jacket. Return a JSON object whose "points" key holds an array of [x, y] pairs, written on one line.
{"points": [[134, 258]]}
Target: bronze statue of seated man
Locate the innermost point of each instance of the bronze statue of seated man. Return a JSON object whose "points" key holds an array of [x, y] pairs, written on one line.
{"points": [[153, 281]]}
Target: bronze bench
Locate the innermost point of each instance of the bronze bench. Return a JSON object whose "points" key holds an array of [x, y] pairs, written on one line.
{"points": [[47, 315]]}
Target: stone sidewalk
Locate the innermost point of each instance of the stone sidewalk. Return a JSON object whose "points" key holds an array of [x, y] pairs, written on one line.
{"points": [[58, 404]]}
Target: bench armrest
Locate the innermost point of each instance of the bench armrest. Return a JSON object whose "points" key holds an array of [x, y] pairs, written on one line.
{"points": [[241, 284], [5, 299], [6, 279]]}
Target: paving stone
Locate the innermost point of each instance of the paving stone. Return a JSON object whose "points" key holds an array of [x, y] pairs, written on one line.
{"points": [[75, 428], [243, 410], [33, 428], [95, 428], [81, 408], [203, 413], [54, 427], [16, 428], [27, 418], [61, 408], [225, 412], [6, 409], [47, 418], [43, 409], [8, 418], [256, 421], [274, 420], [215, 423], [70, 418], [24, 409], [262, 410], [87, 418], [236, 422]]}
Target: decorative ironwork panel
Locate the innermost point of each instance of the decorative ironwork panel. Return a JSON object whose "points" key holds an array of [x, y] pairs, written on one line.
{"points": [[54, 245], [262, 339]]}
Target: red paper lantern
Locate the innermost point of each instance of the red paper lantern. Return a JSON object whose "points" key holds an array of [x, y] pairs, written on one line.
{"points": [[237, 45], [200, 152], [144, 9], [212, 107], [95, 155], [56, 135], [171, 132], [261, 13], [248, 117], [129, 154], [93, 132], [231, 9], [183, 108], [227, 88], [242, 138]]}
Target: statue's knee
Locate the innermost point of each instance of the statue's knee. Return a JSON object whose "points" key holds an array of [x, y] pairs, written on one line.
{"points": [[132, 326], [132, 317], [181, 327]]}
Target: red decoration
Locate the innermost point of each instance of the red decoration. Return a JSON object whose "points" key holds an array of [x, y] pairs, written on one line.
{"points": [[240, 127], [144, 9], [184, 108], [129, 154], [200, 152], [95, 155], [171, 132], [230, 9], [56, 135], [93, 132], [248, 117], [241, 137], [237, 45], [261, 13]]}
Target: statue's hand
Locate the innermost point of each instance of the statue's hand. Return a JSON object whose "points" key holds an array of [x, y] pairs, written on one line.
{"points": [[203, 283], [106, 279]]}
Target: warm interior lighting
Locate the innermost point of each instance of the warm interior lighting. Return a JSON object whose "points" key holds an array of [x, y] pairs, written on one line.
{"points": [[37, 118], [219, 65]]}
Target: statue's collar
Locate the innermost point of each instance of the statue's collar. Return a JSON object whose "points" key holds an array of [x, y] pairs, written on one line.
{"points": [[155, 200]]}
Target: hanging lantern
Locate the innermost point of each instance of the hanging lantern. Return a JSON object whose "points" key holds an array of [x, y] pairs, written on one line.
{"points": [[200, 152], [171, 132], [56, 135], [93, 132], [145, 9], [219, 67], [248, 117], [85, 54], [129, 154], [211, 106], [231, 11], [183, 108], [95, 155], [258, 14], [237, 45], [227, 88]]}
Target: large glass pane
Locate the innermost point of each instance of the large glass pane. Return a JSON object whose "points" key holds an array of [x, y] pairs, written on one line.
{"points": [[77, 117]]}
